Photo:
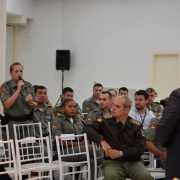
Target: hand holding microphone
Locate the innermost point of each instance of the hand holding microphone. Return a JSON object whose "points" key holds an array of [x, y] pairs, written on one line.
{"points": [[20, 83]]}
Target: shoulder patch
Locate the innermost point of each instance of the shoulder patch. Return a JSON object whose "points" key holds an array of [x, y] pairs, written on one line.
{"points": [[108, 116], [54, 126], [133, 121], [100, 120], [3, 88], [58, 114], [152, 126], [89, 118], [87, 108]]}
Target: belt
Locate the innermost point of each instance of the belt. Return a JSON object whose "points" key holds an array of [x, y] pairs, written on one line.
{"points": [[21, 118]]}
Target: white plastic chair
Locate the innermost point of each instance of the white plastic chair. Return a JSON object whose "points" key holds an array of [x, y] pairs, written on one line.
{"points": [[8, 151], [6, 129], [55, 164], [6, 159], [27, 130], [97, 147], [65, 151], [28, 160], [155, 172]]}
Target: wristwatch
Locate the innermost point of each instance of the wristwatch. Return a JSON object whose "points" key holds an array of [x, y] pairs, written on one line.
{"points": [[121, 154], [31, 104]]}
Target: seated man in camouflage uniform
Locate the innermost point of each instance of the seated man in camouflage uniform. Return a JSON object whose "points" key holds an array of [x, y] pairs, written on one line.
{"points": [[93, 102], [123, 91], [152, 144], [103, 111], [67, 93], [157, 109], [43, 113]]}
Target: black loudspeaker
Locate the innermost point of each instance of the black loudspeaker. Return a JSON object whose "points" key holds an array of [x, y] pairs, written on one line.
{"points": [[62, 59]]}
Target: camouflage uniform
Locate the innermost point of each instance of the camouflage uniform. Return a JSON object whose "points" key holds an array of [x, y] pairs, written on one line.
{"points": [[97, 115], [150, 136], [20, 112], [157, 109], [89, 105], [44, 116], [58, 110], [63, 125]]}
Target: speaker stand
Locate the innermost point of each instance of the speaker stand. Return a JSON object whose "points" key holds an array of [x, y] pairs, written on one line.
{"points": [[62, 80], [59, 99]]}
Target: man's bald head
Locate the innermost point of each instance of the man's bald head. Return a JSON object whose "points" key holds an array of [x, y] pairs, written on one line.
{"points": [[121, 107], [126, 100]]}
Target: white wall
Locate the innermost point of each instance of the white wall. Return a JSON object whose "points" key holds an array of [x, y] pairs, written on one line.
{"points": [[110, 42], [2, 43], [9, 50], [21, 7], [38, 42]]}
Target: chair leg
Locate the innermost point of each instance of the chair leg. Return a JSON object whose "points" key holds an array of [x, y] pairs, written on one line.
{"points": [[73, 173]]}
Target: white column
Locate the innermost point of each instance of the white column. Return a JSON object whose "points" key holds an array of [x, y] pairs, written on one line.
{"points": [[2, 43]]}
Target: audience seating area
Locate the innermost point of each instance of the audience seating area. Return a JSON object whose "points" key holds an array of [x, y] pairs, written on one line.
{"points": [[31, 156]]}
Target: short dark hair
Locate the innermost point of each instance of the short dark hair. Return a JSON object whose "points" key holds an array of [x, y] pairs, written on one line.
{"points": [[35, 86], [66, 101], [150, 90], [107, 92], [124, 89], [97, 85], [39, 87], [112, 90], [15, 64], [67, 89], [143, 93]]}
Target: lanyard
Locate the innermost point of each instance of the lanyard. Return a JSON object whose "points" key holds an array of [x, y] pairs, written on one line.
{"points": [[142, 118]]}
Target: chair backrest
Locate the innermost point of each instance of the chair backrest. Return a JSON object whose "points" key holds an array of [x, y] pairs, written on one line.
{"points": [[50, 137], [27, 153], [148, 157], [97, 147], [6, 158], [5, 129], [66, 148], [27, 130]]}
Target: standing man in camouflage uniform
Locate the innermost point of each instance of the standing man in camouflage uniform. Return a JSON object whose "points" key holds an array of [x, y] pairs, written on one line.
{"points": [[93, 102], [103, 111], [157, 109], [18, 100], [67, 93]]}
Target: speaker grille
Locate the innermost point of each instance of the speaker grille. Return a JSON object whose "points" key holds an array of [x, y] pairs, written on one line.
{"points": [[62, 59]]}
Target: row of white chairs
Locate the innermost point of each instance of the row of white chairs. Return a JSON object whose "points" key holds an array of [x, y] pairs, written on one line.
{"points": [[26, 151], [30, 153]]}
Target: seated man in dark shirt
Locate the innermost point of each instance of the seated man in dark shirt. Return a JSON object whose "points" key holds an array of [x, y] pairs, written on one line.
{"points": [[123, 141]]}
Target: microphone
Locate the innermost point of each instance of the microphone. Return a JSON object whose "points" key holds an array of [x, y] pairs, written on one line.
{"points": [[20, 79]]}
